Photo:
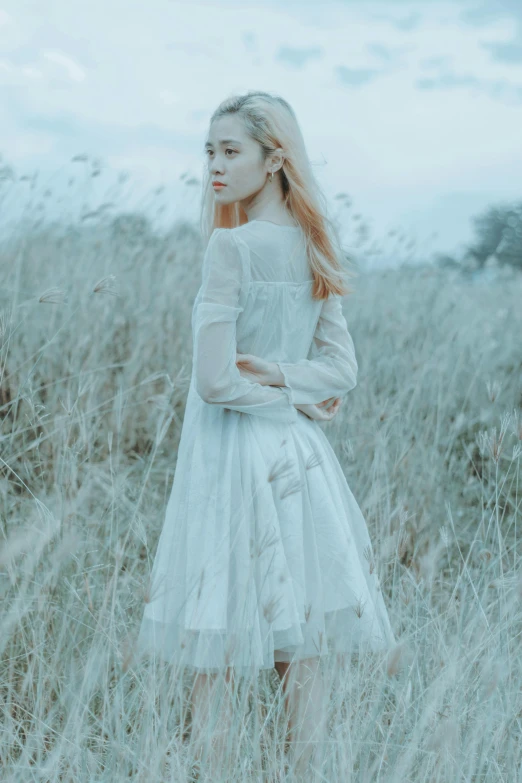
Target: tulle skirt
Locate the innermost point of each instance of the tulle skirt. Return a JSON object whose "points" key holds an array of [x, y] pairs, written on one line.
{"points": [[264, 554]]}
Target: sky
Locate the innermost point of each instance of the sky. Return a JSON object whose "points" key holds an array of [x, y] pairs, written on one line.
{"points": [[414, 109]]}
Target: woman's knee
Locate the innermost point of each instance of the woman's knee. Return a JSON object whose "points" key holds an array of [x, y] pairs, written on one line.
{"points": [[282, 668]]}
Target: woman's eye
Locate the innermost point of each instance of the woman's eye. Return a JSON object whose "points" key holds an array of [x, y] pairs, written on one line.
{"points": [[209, 152]]}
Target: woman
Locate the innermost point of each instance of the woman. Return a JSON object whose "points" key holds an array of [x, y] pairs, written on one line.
{"points": [[264, 559]]}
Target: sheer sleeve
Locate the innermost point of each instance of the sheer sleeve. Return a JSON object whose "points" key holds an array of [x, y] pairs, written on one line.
{"points": [[222, 296], [333, 373]]}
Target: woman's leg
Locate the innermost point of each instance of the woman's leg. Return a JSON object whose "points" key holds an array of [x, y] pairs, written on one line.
{"points": [[282, 670], [304, 702], [211, 703]]}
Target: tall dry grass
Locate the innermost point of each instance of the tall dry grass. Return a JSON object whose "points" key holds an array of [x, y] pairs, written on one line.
{"points": [[95, 366]]}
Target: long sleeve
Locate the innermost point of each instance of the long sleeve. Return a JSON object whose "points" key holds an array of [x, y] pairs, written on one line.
{"points": [[222, 297], [333, 372]]}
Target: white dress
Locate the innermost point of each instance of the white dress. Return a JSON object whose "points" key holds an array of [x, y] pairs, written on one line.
{"points": [[264, 554]]}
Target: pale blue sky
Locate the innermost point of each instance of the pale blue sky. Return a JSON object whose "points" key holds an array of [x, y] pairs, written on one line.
{"points": [[412, 108]]}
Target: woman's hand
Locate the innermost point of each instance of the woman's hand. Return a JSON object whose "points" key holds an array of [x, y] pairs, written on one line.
{"points": [[319, 412], [259, 370], [254, 368]]}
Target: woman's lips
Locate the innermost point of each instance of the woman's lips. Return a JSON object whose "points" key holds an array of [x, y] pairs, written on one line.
{"points": [[217, 185]]}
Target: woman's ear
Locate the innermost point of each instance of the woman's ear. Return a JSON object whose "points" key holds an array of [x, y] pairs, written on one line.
{"points": [[279, 157]]}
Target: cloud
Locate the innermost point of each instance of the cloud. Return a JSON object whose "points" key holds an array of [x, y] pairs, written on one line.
{"points": [[386, 53], [407, 23], [498, 89], [509, 52], [194, 48], [74, 134], [380, 51], [299, 57], [444, 81], [434, 62], [403, 23], [24, 61], [484, 12], [356, 77], [250, 41], [74, 71]]}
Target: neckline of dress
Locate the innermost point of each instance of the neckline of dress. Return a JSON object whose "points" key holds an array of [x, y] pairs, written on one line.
{"points": [[279, 225]]}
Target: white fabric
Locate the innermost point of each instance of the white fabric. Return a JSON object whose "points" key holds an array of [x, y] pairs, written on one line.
{"points": [[264, 553], [334, 372], [224, 290]]}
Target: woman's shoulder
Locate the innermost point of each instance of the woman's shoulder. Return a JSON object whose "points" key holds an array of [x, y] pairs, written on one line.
{"points": [[241, 230], [235, 235], [229, 232]]}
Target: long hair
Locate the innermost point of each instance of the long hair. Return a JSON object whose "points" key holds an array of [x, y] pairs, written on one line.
{"points": [[271, 121]]}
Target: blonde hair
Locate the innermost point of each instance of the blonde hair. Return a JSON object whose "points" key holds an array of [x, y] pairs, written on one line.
{"points": [[271, 121]]}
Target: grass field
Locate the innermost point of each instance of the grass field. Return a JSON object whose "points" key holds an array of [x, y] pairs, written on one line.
{"points": [[94, 373]]}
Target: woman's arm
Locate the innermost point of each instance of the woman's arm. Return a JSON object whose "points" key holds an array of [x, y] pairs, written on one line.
{"points": [[331, 374], [220, 301]]}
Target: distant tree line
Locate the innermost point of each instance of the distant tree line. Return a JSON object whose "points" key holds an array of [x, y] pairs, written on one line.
{"points": [[498, 239]]}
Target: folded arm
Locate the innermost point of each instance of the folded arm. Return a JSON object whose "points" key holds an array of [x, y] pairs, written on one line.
{"points": [[333, 373], [221, 299]]}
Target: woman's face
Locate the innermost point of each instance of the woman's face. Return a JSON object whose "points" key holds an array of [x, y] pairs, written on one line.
{"points": [[236, 160]]}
